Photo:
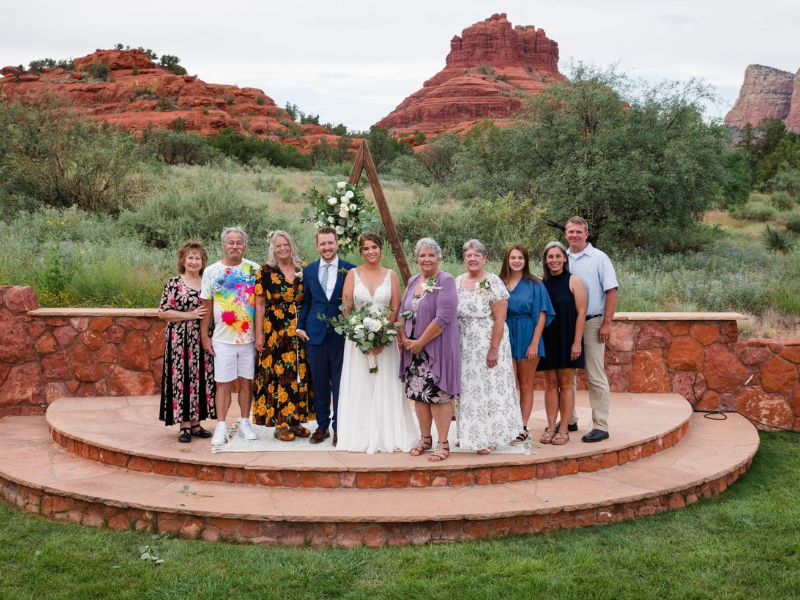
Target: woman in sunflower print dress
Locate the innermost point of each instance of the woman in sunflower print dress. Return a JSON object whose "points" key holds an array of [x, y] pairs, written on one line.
{"points": [[282, 397]]}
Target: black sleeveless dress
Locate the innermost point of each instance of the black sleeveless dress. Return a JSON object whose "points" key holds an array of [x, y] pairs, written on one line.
{"points": [[559, 335]]}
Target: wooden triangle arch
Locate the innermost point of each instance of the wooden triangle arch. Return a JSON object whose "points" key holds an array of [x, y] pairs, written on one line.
{"points": [[364, 162]]}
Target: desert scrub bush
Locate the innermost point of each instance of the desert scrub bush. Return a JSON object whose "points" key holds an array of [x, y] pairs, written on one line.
{"points": [[178, 148], [781, 201], [754, 211], [778, 240], [287, 193], [51, 154], [198, 203], [245, 148], [260, 100], [787, 181], [793, 222], [267, 184], [99, 71]]}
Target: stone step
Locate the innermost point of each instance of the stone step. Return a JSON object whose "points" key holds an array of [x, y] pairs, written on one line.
{"points": [[126, 432], [42, 477]]}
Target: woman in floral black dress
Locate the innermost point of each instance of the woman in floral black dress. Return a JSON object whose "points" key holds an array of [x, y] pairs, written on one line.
{"points": [[282, 397], [187, 385]]}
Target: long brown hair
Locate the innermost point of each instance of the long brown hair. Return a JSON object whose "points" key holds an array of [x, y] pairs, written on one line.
{"points": [[505, 270]]}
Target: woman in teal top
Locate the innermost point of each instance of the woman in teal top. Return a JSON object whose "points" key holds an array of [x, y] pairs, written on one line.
{"points": [[529, 312]]}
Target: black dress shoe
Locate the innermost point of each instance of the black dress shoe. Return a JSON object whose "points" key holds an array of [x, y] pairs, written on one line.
{"points": [[335, 439], [198, 431], [570, 427], [186, 435], [595, 435]]}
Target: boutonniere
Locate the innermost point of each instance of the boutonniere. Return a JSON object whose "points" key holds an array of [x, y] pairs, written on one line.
{"points": [[483, 287], [298, 274], [343, 272], [429, 285]]}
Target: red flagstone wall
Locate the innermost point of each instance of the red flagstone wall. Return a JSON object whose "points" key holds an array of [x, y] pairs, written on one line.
{"points": [[47, 354]]}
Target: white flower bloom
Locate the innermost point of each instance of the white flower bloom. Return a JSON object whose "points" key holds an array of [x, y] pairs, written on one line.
{"points": [[330, 219], [376, 326], [344, 200], [343, 213], [341, 185], [331, 200], [349, 194], [339, 229]]}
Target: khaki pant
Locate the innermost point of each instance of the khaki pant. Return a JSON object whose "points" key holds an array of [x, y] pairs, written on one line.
{"points": [[599, 393]]}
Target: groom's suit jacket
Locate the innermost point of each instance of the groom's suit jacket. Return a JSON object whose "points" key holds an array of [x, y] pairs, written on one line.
{"points": [[315, 301]]}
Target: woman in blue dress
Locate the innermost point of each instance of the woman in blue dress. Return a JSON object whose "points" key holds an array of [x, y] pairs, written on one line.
{"points": [[529, 312]]}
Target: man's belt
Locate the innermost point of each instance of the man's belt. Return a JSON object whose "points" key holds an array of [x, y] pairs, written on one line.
{"points": [[592, 316]]}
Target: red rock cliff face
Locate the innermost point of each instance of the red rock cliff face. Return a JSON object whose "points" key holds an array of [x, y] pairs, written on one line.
{"points": [[765, 93], [793, 118], [140, 93], [487, 68]]}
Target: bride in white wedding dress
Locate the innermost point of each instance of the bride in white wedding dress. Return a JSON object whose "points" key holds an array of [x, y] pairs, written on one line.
{"points": [[374, 415]]}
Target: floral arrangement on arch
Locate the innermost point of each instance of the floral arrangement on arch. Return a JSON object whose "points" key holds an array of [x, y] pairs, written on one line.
{"points": [[344, 208]]}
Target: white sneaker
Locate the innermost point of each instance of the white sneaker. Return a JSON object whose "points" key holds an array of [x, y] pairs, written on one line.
{"points": [[220, 434], [246, 430]]}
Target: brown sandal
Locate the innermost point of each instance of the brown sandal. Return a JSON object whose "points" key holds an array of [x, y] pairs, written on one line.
{"points": [[559, 439], [547, 437], [283, 434], [422, 445], [485, 451], [300, 431], [441, 452]]}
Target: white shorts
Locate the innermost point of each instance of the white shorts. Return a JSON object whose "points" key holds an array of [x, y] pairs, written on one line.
{"points": [[233, 360]]}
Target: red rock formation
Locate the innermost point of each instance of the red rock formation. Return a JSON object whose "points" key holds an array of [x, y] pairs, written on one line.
{"points": [[765, 93], [154, 96], [793, 118], [487, 68]]}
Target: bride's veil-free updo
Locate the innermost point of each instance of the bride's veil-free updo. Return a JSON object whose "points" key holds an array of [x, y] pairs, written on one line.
{"points": [[272, 261]]}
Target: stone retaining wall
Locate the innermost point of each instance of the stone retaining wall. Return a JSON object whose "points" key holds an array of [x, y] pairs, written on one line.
{"points": [[51, 353]]}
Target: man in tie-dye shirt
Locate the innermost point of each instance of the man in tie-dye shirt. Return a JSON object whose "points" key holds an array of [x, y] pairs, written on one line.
{"points": [[228, 287]]}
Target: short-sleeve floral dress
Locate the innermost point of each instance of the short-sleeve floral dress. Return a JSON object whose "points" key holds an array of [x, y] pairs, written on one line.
{"points": [[282, 394], [488, 412], [187, 384]]}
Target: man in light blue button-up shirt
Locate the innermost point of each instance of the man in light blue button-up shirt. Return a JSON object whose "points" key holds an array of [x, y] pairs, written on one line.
{"points": [[597, 274]]}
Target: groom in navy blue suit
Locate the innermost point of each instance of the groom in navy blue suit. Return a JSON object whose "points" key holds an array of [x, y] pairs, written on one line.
{"points": [[323, 280]]}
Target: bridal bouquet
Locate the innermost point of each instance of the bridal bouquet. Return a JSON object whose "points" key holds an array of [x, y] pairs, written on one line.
{"points": [[345, 208], [368, 327]]}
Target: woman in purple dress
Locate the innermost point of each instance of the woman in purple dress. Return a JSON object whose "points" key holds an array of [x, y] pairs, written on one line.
{"points": [[430, 364]]}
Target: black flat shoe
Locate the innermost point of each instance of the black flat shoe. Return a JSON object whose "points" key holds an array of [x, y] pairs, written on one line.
{"points": [[186, 435], [570, 427], [198, 431], [595, 435]]}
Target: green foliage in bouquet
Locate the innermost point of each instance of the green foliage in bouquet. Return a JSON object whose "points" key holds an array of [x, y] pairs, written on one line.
{"points": [[345, 208], [368, 327]]}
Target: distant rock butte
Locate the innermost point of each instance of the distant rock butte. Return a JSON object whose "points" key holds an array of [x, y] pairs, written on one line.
{"points": [[766, 93], [487, 68], [157, 97]]}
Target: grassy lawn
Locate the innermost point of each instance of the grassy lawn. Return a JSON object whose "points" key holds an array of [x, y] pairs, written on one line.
{"points": [[742, 544]]}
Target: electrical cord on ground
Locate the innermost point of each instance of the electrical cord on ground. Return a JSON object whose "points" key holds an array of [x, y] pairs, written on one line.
{"points": [[721, 415]]}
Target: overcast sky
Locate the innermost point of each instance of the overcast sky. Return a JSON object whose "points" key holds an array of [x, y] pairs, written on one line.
{"points": [[354, 61]]}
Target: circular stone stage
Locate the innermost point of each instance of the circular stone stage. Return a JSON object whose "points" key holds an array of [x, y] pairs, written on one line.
{"points": [[110, 462]]}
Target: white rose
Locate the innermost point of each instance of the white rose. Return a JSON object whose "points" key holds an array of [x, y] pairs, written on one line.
{"points": [[331, 200], [359, 327], [349, 194], [343, 212], [330, 219], [341, 185], [339, 229], [376, 326]]}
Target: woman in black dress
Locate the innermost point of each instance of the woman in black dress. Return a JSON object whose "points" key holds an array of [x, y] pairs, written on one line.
{"points": [[187, 385], [563, 341]]}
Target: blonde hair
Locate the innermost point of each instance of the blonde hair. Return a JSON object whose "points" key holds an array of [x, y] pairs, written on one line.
{"points": [[271, 260]]}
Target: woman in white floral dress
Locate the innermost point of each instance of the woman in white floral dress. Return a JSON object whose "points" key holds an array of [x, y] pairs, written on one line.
{"points": [[488, 413]]}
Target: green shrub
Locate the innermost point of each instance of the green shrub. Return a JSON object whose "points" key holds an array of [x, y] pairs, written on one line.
{"points": [[245, 148], [230, 99], [165, 104], [485, 70], [260, 100], [99, 71], [178, 148], [170, 63], [778, 240], [781, 201], [199, 205], [58, 158], [754, 211], [793, 222], [787, 181]]}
